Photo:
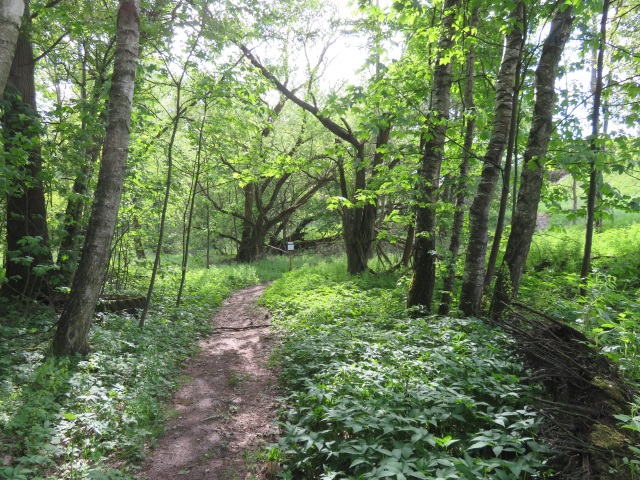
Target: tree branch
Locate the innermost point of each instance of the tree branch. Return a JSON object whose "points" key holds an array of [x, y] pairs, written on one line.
{"points": [[329, 124]]}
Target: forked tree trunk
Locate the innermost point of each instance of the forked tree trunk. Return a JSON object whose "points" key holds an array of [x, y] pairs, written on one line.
{"points": [[358, 222], [524, 221], [594, 173], [473, 279], [10, 17], [27, 232], [73, 327], [461, 182], [424, 263]]}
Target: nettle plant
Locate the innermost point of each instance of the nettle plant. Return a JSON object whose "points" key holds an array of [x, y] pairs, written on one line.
{"points": [[374, 394]]}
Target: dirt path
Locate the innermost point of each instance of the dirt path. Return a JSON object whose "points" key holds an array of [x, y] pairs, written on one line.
{"points": [[226, 409]]}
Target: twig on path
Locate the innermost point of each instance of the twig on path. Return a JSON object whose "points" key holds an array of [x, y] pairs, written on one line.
{"points": [[239, 329]]}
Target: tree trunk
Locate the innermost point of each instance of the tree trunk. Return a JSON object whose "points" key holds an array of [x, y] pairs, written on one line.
{"points": [[165, 206], [358, 222], [73, 217], [27, 232], [247, 248], [191, 206], [461, 182], [407, 251], [208, 220], [424, 263], [524, 221], [506, 189], [473, 279], [137, 241], [10, 17], [593, 176], [73, 327]]}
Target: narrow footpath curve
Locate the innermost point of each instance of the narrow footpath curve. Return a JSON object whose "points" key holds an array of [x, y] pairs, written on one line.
{"points": [[226, 409]]}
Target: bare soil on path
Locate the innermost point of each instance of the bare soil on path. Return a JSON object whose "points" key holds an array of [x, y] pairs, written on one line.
{"points": [[225, 411]]}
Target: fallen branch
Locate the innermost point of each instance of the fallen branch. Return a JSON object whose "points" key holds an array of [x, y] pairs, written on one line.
{"points": [[240, 329], [279, 249]]}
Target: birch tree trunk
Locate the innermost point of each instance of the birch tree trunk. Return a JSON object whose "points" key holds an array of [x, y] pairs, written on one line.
{"points": [[523, 223], [506, 184], [424, 263], [473, 280], [10, 17], [73, 327]]}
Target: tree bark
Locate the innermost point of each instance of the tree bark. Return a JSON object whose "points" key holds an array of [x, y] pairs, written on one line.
{"points": [[424, 263], [473, 279], [27, 232], [407, 251], [594, 147], [506, 190], [73, 327], [248, 250], [10, 17], [524, 221], [461, 182]]}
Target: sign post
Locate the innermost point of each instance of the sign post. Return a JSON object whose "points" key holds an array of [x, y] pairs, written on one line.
{"points": [[290, 248]]}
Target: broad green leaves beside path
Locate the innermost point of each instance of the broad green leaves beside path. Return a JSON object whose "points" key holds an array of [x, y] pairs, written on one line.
{"points": [[372, 393]]}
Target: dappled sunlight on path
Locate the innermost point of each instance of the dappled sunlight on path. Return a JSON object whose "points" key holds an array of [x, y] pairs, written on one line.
{"points": [[225, 409]]}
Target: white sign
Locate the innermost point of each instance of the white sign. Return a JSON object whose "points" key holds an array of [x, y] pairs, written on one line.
{"points": [[290, 246]]}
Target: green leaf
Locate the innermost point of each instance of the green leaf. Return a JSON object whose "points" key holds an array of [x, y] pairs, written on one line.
{"points": [[478, 445]]}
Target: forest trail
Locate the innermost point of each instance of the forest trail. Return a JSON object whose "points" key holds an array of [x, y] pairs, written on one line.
{"points": [[226, 408]]}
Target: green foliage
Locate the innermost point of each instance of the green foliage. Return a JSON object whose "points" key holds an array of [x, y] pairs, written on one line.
{"points": [[373, 393], [609, 312], [74, 417]]}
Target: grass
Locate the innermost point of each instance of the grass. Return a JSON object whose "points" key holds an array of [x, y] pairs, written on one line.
{"points": [[373, 393], [94, 416], [559, 201]]}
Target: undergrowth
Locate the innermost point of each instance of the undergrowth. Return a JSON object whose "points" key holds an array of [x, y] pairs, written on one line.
{"points": [[372, 393], [610, 312], [77, 418]]}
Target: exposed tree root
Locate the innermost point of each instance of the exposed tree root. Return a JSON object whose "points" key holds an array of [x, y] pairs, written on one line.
{"points": [[584, 391]]}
